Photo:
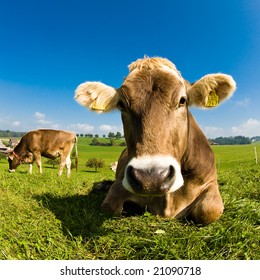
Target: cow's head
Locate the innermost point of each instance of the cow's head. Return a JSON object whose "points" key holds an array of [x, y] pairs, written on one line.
{"points": [[153, 101], [14, 161]]}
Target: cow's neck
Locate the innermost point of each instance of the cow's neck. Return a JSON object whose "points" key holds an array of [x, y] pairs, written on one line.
{"points": [[19, 149], [198, 159]]}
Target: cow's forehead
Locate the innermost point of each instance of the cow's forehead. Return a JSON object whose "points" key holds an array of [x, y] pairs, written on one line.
{"points": [[151, 63], [154, 63]]}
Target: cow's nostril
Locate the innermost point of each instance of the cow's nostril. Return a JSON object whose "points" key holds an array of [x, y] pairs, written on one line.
{"points": [[135, 177], [139, 175], [167, 173], [168, 179], [171, 172]]}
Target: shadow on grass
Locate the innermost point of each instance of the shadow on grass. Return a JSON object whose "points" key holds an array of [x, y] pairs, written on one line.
{"points": [[82, 215]]}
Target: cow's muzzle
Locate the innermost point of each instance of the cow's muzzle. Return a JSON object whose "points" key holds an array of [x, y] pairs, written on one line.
{"points": [[11, 170], [155, 175], [151, 181]]}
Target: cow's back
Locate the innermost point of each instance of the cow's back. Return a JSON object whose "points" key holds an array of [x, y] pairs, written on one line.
{"points": [[58, 138], [43, 140]]}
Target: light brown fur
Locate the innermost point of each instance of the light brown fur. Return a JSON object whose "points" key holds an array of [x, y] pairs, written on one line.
{"points": [[151, 64]]}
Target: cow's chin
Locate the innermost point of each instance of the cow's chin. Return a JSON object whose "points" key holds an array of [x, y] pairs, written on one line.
{"points": [[11, 170], [153, 175]]}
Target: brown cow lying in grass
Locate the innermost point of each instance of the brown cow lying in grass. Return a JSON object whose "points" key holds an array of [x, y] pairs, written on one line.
{"points": [[168, 165]]}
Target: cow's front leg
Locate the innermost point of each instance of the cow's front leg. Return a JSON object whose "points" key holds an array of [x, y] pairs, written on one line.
{"points": [[210, 206], [115, 198]]}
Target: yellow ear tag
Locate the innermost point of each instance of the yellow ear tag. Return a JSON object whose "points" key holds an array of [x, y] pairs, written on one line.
{"points": [[212, 99], [98, 108]]}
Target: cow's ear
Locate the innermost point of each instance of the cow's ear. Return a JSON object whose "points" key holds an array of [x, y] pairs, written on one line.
{"points": [[210, 90], [96, 96]]}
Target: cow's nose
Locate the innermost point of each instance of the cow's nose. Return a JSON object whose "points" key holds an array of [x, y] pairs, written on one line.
{"points": [[153, 181]]}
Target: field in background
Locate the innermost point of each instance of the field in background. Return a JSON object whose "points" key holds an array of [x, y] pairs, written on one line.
{"points": [[109, 154], [231, 156], [47, 217]]}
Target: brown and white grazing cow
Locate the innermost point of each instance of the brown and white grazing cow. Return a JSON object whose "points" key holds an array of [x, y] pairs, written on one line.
{"points": [[168, 165], [44, 142]]}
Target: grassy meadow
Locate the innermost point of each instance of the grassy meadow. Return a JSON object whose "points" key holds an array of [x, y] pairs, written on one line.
{"points": [[51, 217]]}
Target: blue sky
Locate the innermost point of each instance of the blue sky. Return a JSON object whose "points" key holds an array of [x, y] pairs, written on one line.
{"points": [[49, 47]]}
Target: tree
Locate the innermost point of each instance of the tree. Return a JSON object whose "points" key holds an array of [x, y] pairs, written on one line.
{"points": [[88, 135], [53, 162], [111, 135], [95, 163], [237, 140], [112, 141], [118, 135], [56, 161], [8, 133], [95, 142]]}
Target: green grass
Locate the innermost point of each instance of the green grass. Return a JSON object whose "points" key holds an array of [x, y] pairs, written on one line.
{"points": [[51, 217], [234, 155], [108, 154]]}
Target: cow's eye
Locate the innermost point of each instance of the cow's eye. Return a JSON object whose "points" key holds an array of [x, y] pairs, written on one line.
{"points": [[182, 101]]}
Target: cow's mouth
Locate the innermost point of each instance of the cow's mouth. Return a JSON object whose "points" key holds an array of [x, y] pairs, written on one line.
{"points": [[11, 170]]}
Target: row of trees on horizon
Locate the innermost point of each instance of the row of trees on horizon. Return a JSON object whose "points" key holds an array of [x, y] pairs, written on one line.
{"points": [[236, 140], [10, 134]]}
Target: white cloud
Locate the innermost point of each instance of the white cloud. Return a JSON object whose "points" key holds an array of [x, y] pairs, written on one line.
{"points": [[39, 115], [243, 103], [81, 127], [41, 119], [44, 122], [7, 123], [249, 128], [108, 128], [16, 123]]}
